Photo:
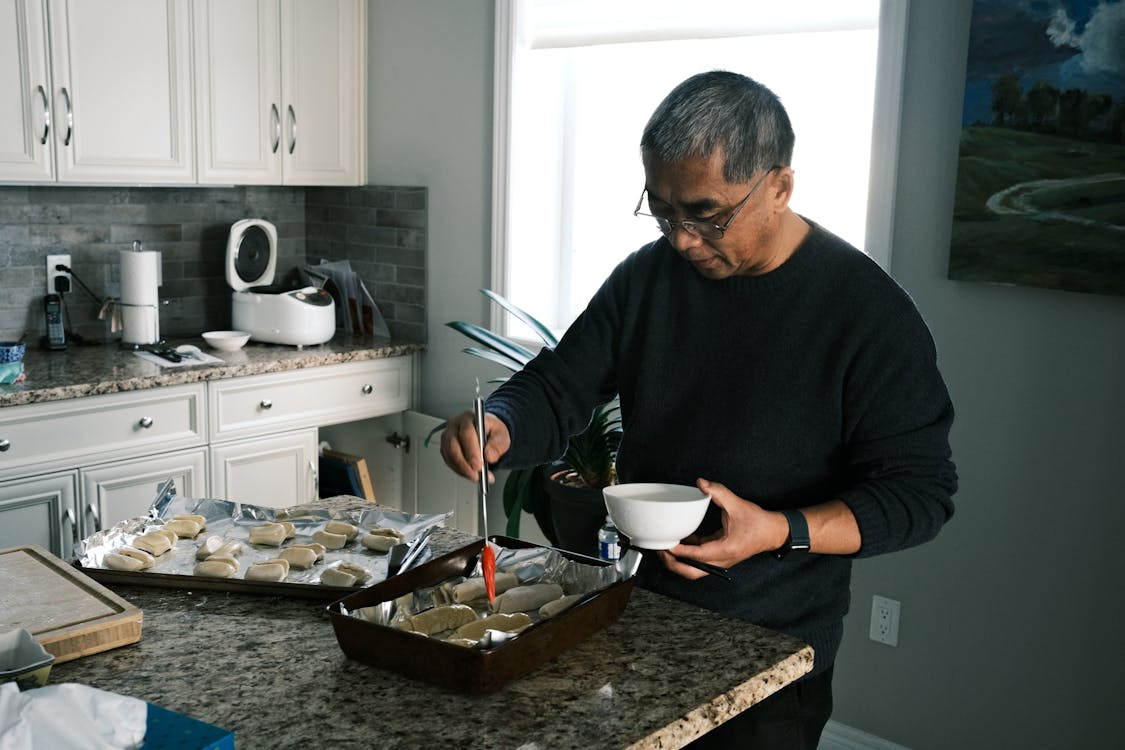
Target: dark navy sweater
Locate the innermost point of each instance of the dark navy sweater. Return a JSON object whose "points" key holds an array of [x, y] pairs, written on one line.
{"points": [[815, 381]]}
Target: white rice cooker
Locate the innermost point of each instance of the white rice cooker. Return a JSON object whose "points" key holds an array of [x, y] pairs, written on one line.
{"points": [[268, 312]]}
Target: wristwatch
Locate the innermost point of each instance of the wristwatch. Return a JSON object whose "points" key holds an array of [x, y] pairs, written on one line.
{"points": [[797, 543]]}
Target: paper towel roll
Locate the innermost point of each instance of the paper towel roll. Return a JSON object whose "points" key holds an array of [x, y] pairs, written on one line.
{"points": [[140, 324], [140, 277]]}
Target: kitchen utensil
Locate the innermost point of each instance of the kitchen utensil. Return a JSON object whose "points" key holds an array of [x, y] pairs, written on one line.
{"points": [[487, 555], [395, 556], [163, 351], [706, 567], [415, 549], [655, 515]]}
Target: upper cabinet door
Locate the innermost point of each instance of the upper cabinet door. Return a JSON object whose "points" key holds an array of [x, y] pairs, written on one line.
{"points": [[324, 86], [25, 93], [280, 90], [238, 106], [122, 90]]}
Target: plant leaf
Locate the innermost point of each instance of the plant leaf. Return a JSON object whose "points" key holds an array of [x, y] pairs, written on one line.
{"points": [[542, 331], [493, 341]]}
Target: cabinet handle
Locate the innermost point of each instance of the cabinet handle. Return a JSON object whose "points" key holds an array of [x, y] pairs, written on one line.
{"points": [[266, 404], [46, 116], [145, 422], [5, 444], [69, 117], [276, 117], [367, 389], [68, 516], [92, 512], [314, 480], [292, 129]]}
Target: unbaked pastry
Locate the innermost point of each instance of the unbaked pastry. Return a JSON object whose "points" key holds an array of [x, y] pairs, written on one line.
{"points": [[550, 609], [337, 577], [342, 527], [527, 598], [268, 570], [329, 539], [216, 567], [377, 540], [509, 623], [191, 517], [208, 547], [290, 529], [301, 558], [153, 542], [272, 534], [129, 558], [473, 588], [438, 619], [183, 527], [319, 549], [231, 549]]}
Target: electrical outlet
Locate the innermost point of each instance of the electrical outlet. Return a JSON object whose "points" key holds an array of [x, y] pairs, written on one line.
{"points": [[58, 282], [884, 620]]}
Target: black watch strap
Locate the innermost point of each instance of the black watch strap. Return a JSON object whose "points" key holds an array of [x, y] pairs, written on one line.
{"points": [[798, 543]]}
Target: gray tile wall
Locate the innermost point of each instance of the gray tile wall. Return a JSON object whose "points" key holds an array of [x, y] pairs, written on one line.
{"points": [[380, 230]]}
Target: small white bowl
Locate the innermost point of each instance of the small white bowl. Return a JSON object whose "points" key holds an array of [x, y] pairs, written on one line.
{"points": [[227, 341], [655, 515]]}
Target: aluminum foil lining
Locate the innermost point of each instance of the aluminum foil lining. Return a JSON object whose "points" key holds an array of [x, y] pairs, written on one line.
{"points": [[233, 521], [531, 565]]}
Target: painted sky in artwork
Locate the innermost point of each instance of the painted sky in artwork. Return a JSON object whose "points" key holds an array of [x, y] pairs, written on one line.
{"points": [[1068, 43]]}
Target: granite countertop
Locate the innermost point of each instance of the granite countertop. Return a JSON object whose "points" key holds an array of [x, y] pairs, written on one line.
{"points": [[270, 669], [107, 368]]}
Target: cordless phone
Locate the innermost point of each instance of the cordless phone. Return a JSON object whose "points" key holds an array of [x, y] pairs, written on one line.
{"points": [[52, 309]]}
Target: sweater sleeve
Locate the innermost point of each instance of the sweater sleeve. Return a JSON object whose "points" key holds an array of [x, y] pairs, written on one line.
{"points": [[899, 417]]}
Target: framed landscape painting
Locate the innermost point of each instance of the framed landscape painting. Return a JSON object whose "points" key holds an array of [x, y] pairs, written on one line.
{"points": [[1040, 196]]}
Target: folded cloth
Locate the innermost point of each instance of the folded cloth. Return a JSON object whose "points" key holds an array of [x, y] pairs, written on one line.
{"points": [[11, 372], [69, 715]]}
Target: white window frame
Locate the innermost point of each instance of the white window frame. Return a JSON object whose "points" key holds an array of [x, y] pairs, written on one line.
{"points": [[887, 117]]}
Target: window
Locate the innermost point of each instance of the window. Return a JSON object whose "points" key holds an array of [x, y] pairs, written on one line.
{"points": [[576, 80]]}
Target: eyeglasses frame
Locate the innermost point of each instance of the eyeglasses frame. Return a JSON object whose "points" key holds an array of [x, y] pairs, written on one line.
{"points": [[690, 226]]}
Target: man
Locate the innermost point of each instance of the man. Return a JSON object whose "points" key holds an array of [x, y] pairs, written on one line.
{"points": [[762, 359]]}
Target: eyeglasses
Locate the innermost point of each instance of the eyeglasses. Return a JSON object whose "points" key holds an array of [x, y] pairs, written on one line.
{"points": [[705, 229]]}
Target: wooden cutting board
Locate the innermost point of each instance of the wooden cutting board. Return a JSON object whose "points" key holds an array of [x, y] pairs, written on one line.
{"points": [[69, 613]]}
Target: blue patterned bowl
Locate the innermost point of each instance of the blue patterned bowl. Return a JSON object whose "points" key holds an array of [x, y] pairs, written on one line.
{"points": [[12, 351]]}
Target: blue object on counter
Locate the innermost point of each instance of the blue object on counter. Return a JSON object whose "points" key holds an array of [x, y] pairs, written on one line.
{"points": [[10, 372], [168, 730], [12, 351]]}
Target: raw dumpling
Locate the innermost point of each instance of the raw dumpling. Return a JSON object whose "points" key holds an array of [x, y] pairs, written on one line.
{"points": [[319, 549], [154, 543], [183, 527], [550, 609], [527, 598], [217, 567], [192, 517], [208, 547], [381, 540], [129, 558], [272, 534], [342, 527], [437, 619], [301, 558], [337, 577], [473, 588], [329, 539], [509, 623], [268, 570]]}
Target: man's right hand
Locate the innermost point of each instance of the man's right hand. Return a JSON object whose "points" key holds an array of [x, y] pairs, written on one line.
{"points": [[460, 446]]}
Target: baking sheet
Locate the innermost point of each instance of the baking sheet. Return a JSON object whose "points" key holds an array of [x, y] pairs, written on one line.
{"points": [[233, 521]]}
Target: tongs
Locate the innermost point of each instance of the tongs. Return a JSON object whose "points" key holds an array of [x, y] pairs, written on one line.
{"points": [[487, 555], [402, 556]]}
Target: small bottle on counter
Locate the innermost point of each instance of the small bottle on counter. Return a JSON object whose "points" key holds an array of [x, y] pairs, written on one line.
{"points": [[609, 548]]}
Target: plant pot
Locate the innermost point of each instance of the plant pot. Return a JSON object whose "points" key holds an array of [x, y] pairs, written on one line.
{"points": [[577, 512]]}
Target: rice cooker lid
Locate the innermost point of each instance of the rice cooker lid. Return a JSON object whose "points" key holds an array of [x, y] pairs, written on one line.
{"points": [[251, 254]]}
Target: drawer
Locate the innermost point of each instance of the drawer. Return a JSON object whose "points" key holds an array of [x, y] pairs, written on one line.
{"points": [[315, 397], [96, 428]]}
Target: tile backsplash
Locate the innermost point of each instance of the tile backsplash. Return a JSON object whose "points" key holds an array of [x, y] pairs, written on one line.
{"points": [[380, 230]]}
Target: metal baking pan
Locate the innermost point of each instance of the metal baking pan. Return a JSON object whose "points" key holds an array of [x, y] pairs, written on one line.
{"points": [[458, 668]]}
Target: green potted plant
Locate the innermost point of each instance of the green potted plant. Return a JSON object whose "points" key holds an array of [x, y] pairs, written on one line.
{"points": [[564, 496]]}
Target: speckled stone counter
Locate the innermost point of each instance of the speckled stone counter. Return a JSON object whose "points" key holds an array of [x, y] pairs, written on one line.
{"points": [[107, 368], [270, 669]]}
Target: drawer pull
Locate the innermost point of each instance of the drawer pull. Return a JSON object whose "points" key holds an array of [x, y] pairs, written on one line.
{"points": [[5, 445], [145, 422], [368, 389], [266, 404]]}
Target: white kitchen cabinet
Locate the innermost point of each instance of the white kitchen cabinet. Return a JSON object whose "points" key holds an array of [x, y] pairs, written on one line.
{"points": [[118, 92], [40, 510], [281, 91], [277, 471], [118, 490]]}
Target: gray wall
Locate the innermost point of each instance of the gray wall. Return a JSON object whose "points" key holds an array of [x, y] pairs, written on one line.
{"points": [[1010, 632]]}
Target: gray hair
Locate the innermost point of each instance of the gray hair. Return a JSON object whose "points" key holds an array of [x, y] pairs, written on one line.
{"points": [[721, 110]]}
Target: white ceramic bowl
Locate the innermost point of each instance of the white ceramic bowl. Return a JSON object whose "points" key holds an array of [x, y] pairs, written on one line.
{"points": [[654, 515], [227, 341]]}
